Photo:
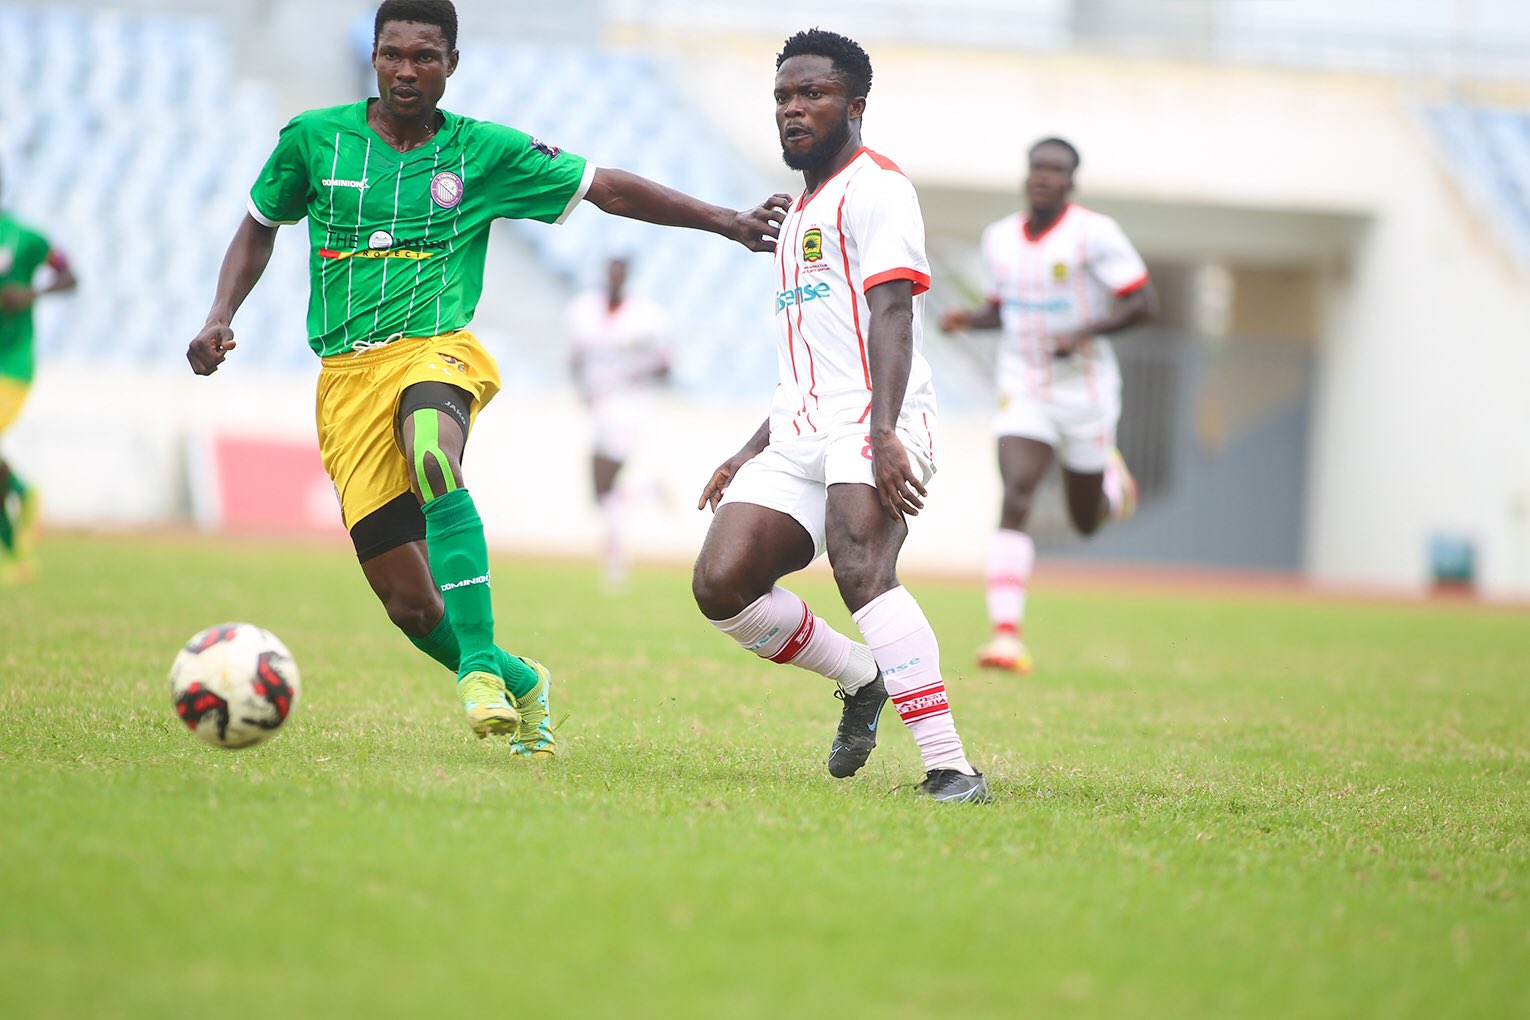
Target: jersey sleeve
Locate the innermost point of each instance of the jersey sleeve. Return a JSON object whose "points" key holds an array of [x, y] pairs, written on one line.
{"points": [[885, 220], [1112, 259], [284, 187], [531, 180]]}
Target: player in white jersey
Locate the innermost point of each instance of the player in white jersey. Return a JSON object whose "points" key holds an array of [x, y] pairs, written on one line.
{"points": [[844, 457], [620, 353], [1059, 280]]}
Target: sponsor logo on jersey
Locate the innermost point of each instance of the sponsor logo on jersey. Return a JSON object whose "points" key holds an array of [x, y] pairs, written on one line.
{"points": [[550, 151], [1059, 271], [446, 189], [380, 239], [376, 253], [336, 182], [1057, 305], [812, 245], [801, 295]]}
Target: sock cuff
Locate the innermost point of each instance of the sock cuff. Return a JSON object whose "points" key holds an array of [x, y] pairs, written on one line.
{"points": [[455, 509], [751, 622], [893, 610]]}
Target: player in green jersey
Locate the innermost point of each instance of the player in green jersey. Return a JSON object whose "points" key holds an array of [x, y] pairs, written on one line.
{"points": [[399, 196], [23, 252]]}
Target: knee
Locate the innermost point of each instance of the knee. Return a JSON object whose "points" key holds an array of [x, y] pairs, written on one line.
{"points": [[719, 588], [1015, 510], [414, 612], [861, 578]]}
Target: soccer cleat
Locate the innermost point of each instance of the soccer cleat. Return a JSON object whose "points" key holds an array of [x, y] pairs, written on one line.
{"points": [[487, 704], [1007, 652], [949, 786], [857, 733], [1120, 486], [533, 738]]}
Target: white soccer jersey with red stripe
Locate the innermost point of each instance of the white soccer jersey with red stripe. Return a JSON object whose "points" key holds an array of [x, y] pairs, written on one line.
{"points": [[1056, 282], [862, 227]]}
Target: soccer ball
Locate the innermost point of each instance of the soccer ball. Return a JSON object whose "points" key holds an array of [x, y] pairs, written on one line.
{"points": [[234, 685]]}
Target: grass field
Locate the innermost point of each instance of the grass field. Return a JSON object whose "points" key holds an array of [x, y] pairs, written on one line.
{"points": [[1206, 806]]}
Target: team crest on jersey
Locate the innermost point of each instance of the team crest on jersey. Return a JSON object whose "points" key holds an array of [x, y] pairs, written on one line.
{"points": [[446, 189], [812, 245], [1059, 271], [550, 151]]}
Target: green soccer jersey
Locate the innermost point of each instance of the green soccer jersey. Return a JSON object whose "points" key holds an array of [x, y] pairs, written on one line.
{"points": [[22, 252], [398, 239]]}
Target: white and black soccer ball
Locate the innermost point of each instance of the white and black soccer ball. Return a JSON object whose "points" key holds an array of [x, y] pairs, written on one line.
{"points": [[234, 685]]}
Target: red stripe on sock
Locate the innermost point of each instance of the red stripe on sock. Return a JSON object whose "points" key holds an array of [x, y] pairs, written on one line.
{"points": [[923, 703], [799, 639]]}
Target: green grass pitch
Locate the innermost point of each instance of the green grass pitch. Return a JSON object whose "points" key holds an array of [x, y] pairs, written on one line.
{"points": [[1206, 806]]}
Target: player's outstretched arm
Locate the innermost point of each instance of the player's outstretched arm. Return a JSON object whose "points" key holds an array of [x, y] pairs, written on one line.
{"points": [[890, 349], [243, 263], [626, 194], [955, 320], [713, 492], [1128, 310]]}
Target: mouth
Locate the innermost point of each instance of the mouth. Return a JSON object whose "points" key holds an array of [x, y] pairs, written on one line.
{"points": [[405, 92], [795, 133]]}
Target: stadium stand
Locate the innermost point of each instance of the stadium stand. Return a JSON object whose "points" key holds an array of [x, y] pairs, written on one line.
{"points": [[1488, 148]]}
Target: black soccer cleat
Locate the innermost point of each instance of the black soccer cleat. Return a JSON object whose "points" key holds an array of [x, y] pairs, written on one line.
{"points": [[949, 785], [857, 733]]}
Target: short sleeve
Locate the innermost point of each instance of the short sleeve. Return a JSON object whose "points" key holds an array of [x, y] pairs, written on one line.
{"points": [[530, 179], [1112, 259], [282, 191], [885, 220]]}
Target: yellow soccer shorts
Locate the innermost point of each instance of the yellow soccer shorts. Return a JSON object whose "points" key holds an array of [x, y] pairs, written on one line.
{"points": [[13, 393], [357, 410]]}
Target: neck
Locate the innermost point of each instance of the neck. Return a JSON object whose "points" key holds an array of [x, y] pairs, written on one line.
{"points": [[402, 133], [813, 179], [1042, 217]]}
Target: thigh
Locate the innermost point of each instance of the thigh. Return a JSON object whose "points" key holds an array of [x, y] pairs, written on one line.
{"points": [[1022, 464], [863, 543]]}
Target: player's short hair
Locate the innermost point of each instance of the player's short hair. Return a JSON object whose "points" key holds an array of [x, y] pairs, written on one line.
{"points": [[850, 61], [440, 13], [1057, 141]]}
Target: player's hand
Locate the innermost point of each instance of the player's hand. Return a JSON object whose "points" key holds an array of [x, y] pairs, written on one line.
{"points": [[713, 492], [1065, 344], [758, 228], [15, 297], [954, 320], [208, 349], [898, 488]]}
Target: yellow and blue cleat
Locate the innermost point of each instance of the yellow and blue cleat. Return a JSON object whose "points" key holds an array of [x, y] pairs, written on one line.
{"points": [[487, 704], [534, 737]]}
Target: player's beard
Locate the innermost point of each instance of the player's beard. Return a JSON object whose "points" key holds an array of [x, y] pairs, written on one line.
{"points": [[821, 151]]}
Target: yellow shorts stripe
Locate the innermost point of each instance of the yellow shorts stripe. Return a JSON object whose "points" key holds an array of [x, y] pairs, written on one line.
{"points": [[13, 394], [357, 407]]}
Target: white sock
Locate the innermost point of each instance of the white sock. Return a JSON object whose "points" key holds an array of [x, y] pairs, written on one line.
{"points": [[1011, 556], [780, 627], [905, 646]]}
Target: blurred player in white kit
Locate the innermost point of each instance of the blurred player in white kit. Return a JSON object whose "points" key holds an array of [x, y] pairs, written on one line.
{"points": [[1058, 281], [620, 356]]}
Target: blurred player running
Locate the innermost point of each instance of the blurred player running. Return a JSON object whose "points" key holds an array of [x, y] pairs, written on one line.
{"points": [[843, 459], [399, 196], [23, 252], [1058, 281], [620, 354]]}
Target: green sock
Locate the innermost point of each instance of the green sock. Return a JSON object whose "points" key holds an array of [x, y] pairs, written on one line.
{"points": [[7, 530], [459, 561], [15, 484], [441, 645]]}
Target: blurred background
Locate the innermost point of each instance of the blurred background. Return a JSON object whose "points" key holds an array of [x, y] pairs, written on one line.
{"points": [[1333, 197]]}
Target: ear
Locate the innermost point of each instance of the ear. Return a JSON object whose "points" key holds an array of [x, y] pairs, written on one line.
{"points": [[857, 107], [451, 63]]}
